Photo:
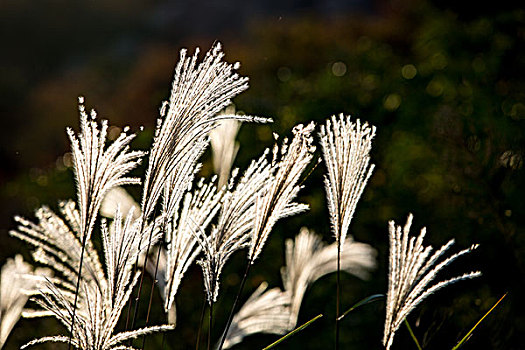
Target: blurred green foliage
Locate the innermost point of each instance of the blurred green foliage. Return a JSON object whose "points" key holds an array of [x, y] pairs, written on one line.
{"points": [[447, 96]]}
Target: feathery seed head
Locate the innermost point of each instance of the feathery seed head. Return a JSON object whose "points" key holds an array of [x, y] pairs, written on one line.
{"points": [[276, 201], [411, 270], [346, 151]]}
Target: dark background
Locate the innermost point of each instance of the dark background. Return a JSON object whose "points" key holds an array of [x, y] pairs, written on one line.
{"points": [[442, 82]]}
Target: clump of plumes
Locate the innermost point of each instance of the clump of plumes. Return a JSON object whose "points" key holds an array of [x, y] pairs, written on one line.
{"points": [[18, 281], [199, 92], [211, 219], [410, 272], [346, 151], [81, 290]]}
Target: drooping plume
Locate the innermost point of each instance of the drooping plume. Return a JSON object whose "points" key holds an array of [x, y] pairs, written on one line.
{"points": [[58, 244], [266, 311], [308, 259], [410, 272], [346, 151], [17, 282]]}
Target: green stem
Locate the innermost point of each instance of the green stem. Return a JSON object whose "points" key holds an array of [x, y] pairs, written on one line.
{"points": [[467, 336], [413, 335], [298, 329]]}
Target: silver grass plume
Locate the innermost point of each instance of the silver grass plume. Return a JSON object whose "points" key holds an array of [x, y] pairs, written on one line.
{"points": [[308, 259], [265, 311], [98, 168], [199, 207], [276, 202], [346, 151], [18, 281], [199, 92], [411, 270], [58, 244], [97, 315], [236, 218], [224, 147], [121, 247], [119, 198]]}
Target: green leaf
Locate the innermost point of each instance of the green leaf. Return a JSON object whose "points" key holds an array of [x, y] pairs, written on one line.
{"points": [[288, 335], [467, 336], [413, 335], [365, 301]]}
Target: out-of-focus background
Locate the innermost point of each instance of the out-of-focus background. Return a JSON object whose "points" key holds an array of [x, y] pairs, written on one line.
{"points": [[443, 83]]}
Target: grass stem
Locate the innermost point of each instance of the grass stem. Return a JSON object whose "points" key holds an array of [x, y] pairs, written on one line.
{"points": [[198, 341], [210, 325], [468, 335], [413, 335], [232, 311], [338, 295]]}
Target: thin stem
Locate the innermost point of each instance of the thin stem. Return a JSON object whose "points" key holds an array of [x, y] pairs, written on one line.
{"points": [[163, 346], [135, 267], [84, 239], [230, 317], [153, 282], [210, 324], [413, 335], [200, 323], [137, 300], [338, 295]]}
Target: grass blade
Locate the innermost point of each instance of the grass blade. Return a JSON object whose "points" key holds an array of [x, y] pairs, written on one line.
{"points": [[365, 301], [288, 335], [413, 335], [467, 336]]}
